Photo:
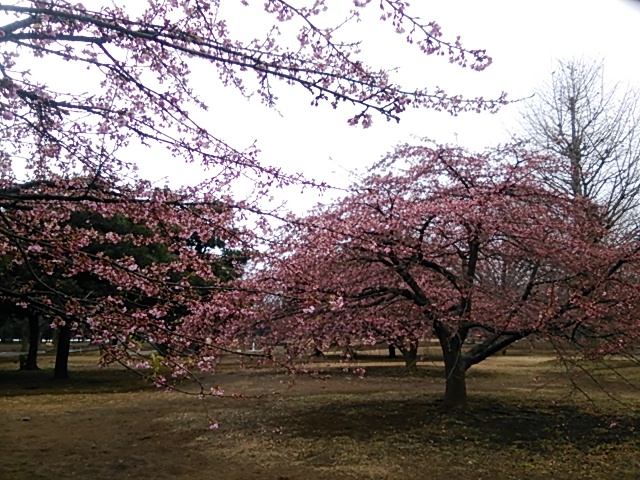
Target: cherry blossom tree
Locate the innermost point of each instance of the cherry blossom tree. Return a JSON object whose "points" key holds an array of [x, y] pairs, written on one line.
{"points": [[139, 62], [146, 281], [66, 148], [468, 248]]}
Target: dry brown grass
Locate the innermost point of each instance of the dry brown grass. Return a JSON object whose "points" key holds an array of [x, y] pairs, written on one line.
{"points": [[521, 424]]}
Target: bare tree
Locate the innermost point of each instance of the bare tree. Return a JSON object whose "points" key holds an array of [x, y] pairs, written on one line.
{"points": [[594, 127]]}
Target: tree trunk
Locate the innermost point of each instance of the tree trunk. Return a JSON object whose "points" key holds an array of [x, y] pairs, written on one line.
{"points": [[410, 356], [392, 351], [31, 362], [455, 395], [455, 368], [61, 370]]}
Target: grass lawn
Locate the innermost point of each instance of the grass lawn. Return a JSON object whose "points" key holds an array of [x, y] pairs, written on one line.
{"points": [[522, 423]]}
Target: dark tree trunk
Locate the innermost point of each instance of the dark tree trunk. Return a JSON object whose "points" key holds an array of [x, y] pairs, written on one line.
{"points": [[61, 370], [455, 369], [410, 356], [31, 362], [392, 351], [455, 395]]}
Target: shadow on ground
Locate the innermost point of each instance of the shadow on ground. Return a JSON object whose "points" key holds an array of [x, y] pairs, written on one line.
{"points": [[41, 382], [535, 428]]}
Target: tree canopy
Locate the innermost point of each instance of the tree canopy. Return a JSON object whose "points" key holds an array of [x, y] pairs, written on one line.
{"points": [[470, 249], [65, 146], [139, 62], [591, 125]]}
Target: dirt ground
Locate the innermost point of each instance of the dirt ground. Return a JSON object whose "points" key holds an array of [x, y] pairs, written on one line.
{"points": [[106, 424]]}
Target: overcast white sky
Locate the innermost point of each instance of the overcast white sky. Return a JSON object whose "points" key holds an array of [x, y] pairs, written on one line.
{"points": [[523, 37]]}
